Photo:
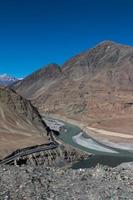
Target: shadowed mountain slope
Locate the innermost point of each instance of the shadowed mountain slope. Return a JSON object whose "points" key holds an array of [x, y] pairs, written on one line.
{"points": [[20, 123]]}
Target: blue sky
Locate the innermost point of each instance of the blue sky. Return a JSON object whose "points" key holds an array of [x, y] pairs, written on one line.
{"points": [[34, 33]]}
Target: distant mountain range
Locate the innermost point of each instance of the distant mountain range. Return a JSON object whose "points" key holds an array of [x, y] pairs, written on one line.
{"points": [[6, 80]]}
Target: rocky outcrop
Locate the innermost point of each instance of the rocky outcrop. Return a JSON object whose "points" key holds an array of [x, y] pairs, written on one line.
{"points": [[61, 156]]}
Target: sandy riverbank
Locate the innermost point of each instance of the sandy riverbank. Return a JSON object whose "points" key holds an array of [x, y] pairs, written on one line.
{"points": [[109, 138], [91, 144], [88, 128], [110, 133]]}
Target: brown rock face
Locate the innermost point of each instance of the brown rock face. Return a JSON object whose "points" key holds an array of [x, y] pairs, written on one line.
{"points": [[95, 84], [20, 123], [35, 82]]}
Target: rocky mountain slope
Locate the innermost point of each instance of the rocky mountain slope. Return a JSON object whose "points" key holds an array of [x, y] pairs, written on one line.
{"points": [[39, 81], [92, 86], [20, 123]]}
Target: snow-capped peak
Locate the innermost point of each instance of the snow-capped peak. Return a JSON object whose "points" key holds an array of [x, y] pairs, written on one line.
{"points": [[3, 75], [5, 79]]}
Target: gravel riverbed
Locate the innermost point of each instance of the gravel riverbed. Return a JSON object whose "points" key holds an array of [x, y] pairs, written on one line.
{"points": [[40, 183]]}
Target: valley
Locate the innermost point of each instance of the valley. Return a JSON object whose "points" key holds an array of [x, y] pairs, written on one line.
{"points": [[76, 118], [93, 87], [92, 90], [66, 100]]}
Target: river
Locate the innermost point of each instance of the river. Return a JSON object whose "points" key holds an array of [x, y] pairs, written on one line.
{"points": [[102, 154]]}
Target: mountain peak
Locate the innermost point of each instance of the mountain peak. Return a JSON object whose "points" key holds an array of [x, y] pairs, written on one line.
{"points": [[3, 75], [47, 71], [6, 80], [52, 68], [107, 42], [40, 78]]}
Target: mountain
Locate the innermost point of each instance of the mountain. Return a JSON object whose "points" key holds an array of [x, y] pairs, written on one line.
{"points": [[92, 87], [20, 123], [6, 80], [39, 81]]}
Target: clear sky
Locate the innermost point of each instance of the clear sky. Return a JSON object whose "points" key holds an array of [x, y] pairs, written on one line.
{"points": [[34, 33]]}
